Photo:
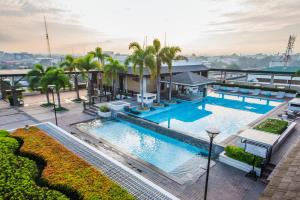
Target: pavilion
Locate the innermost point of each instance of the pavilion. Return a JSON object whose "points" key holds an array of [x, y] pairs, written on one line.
{"points": [[189, 85]]}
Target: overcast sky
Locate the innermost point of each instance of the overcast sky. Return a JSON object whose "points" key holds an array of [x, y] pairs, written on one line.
{"points": [[204, 27]]}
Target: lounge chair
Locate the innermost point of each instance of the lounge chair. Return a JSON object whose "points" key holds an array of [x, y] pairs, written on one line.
{"points": [[280, 95], [244, 91], [235, 89], [256, 92], [216, 87]]}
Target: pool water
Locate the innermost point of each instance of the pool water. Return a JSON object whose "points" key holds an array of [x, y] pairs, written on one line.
{"points": [[164, 152], [228, 113]]}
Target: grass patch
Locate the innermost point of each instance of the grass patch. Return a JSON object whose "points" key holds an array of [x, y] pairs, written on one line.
{"points": [[239, 154], [275, 126], [46, 105], [61, 109], [77, 100], [18, 175], [66, 170]]}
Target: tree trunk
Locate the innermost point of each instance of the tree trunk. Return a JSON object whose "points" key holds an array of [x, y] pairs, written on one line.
{"points": [[158, 85], [47, 96], [170, 87], [142, 91], [89, 88], [114, 88], [58, 98], [76, 86]]}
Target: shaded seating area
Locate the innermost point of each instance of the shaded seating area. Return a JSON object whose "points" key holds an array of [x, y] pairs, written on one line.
{"points": [[189, 85]]}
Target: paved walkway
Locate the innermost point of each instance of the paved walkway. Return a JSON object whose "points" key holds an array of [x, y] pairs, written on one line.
{"points": [[285, 180]]}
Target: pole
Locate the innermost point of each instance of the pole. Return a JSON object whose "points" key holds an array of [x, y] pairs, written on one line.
{"points": [[208, 166], [54, 107]]}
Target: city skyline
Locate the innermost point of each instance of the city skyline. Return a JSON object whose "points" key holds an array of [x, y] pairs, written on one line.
{"points": [[204, 28]]}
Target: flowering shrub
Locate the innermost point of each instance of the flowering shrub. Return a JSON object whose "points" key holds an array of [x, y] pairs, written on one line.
{"points": [[67, 171], [18, 174]]}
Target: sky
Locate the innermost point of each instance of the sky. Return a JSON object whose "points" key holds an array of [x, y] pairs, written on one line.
{"points": [[203, 27]]}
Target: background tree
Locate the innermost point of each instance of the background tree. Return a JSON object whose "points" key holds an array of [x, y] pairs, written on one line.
{"points": [[171, 54], [141, 59], [34, 77], [86, 64], [111, 71], [69, 64], [57, 77]]}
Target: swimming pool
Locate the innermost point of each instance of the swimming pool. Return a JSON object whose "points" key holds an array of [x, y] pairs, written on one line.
{"points": [[164, 152], [229, 113]]}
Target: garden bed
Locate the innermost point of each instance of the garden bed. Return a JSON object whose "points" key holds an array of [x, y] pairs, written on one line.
{"points": [[67, 171], [276, 126]]}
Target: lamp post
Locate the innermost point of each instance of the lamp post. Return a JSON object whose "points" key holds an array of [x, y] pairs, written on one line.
{"points": [[51, 87], [212, 133]]}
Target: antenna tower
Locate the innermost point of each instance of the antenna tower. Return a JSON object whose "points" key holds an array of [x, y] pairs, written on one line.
{"points": [[47, 38], [289, 50]]}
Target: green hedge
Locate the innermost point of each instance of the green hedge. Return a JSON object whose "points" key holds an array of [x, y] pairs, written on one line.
{"points": [[4, 133], [275, 126], [239, 154], [18, 174], [257, 87]]}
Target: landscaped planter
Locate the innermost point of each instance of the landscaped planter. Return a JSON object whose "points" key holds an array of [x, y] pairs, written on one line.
{"points": [[237, 164], [104, 114], [284, 135]]}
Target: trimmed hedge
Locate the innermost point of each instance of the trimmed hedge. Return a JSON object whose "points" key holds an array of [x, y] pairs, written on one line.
{"points": [[257, 87], [4, 133], [66, 171], [275, 126], [18, 175], [239, 154]]}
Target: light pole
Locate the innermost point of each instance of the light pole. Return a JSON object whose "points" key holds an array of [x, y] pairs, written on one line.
{"points": [[212, 133], [51, 87]]}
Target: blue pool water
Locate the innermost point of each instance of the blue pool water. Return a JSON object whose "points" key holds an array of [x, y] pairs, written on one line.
{"points": [[164, 152], [228, 113]]}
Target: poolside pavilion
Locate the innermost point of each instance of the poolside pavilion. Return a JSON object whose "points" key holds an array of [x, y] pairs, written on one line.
{"points": [[188, 85]]}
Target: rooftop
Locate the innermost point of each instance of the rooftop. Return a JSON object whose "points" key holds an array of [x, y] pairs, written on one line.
{"points": [[189, 78]]}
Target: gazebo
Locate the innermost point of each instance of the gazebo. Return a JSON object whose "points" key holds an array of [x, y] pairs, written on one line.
{"points": [[189, 85]]}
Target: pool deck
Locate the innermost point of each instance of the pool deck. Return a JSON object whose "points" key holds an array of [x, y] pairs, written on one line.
{"points": [[225, 182]]}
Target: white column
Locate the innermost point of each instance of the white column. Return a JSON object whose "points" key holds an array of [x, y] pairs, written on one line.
{"points": [[125, 83], [272, 80], [145, 84]]}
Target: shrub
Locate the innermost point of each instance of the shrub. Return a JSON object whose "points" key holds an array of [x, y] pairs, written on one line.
{"points": [[104, 108], [239, 154], [18, 174], [275, 126], [257, 87], [4, 133], [65, 170]]}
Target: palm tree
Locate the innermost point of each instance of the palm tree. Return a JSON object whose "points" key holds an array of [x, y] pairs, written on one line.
{"points": [[171, 54], [159, 54], [69, 64], [57, 77], [34, 77], [86, 64], [111, 71], [98, 53], [141, 58]]}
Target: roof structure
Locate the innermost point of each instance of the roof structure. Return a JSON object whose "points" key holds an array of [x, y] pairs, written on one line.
{"points": [[189, 79], [259, 136], [176, 69]]}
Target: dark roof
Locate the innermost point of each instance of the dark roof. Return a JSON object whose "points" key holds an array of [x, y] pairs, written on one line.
{"points": [[189, 78], [254, 71], [176, 69]]}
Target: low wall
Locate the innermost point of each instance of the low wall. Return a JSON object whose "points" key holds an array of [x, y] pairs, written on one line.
{"points": [[170, 133]]}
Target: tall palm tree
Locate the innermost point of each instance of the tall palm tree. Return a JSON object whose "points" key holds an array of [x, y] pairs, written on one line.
{"points": [[69, 64], [141, 58], [86, 64], [159, 54], [98, 53], [171, 54], [34, 77], [111, 71], [57, 77]]}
